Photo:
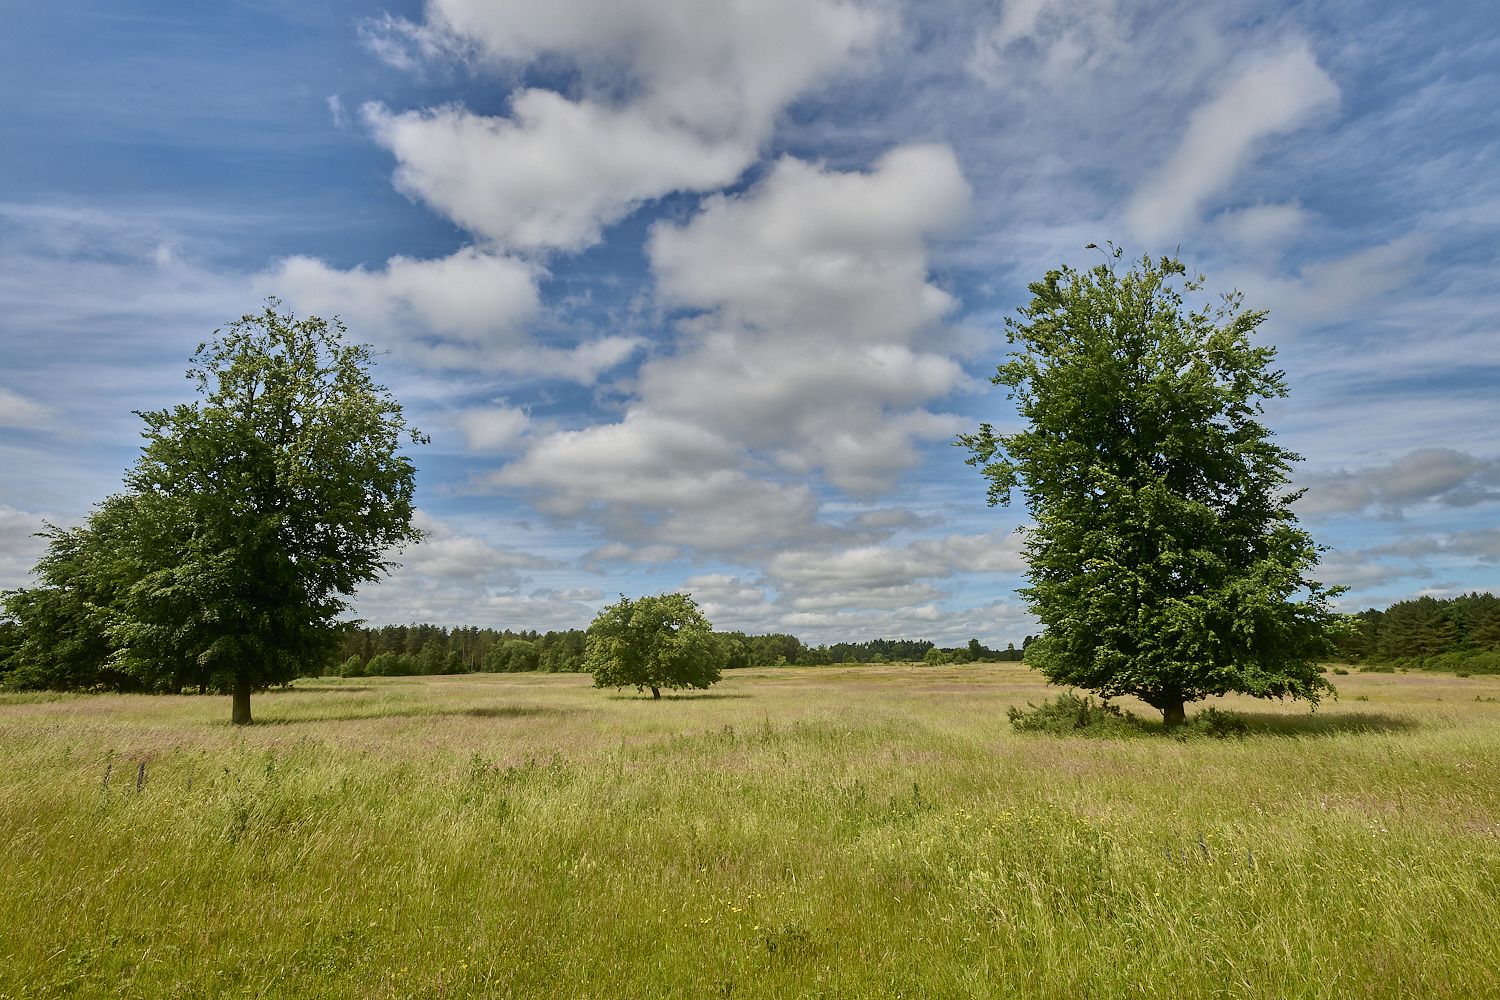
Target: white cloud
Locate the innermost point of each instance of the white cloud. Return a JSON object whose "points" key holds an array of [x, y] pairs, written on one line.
{"points": [[663, 481], [818, 253], [808, 355], [677, 96], [22, 413], [467, 310], [619, 552], [1271, 95], [1427, 475], [493, 428], [451, 577], [552, 175], [1363, 570], [884, 566], [818, 304], [896, 612], [1055, 40], [1262, 226], [1329, 288], [20, 547], [445, 553], [993, 624]]}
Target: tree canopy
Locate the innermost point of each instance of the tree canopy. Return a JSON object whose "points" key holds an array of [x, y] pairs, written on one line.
{"points": [[654, 642], [1164, 559], [250, 515]]}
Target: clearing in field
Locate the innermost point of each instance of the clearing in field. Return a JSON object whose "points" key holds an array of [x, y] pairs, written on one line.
{"points": [[863, 832]]}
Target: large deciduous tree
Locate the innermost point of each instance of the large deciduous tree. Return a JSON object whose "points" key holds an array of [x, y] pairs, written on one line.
{"points": [[1164, 561], [653, 642], [258, 508]]}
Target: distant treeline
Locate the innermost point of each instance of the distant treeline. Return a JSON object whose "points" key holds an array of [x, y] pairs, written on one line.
{"points": [[1459, 633], [411, 650], [408, 650]]}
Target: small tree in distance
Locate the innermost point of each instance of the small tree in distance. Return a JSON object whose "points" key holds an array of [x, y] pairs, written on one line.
{"points": [[1165, 561], [653, 642]]}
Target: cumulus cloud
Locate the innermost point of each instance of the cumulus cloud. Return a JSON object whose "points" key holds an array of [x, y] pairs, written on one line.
{"points": [[885, 566], [732, 603], [878, 576], [1364, 570], [1272, 94], [447, 554], [1415, 555], [806, 352], [1428, 475], [816, 305], [468, 310], [554, 173], [660, 481], [676, 96], [1482, 544], [493, 428], [450, 576]]}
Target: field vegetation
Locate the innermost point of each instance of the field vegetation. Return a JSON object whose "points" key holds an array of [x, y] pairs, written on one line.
{"points": [[880, 831]]}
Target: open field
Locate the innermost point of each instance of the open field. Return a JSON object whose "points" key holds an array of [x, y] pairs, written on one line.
{"points": [[863, 832]]}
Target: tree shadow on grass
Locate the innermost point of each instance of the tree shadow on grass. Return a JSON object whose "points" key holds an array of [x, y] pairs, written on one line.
{"points": [[1327, 725], [513, 711], [701, 696], [418, 711], [321, 689]]}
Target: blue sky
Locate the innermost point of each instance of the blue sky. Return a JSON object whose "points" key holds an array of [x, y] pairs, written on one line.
{"points": [[694, 294]]}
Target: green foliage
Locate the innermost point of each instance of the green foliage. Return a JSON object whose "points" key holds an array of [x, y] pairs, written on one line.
{"points": [[654, 642], [1215, 724], [736, 647], [514, 656], [252, 513], [1068, 714], [1071, 715], [1165, 560], [75, 628], [1429, 633]]}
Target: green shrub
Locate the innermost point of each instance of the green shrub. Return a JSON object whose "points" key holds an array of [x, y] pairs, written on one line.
{"points": [[1070, 714], [1212, 723]]}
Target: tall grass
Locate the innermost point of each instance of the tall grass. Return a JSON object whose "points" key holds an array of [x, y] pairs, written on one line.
{"points": [[879, 832]]}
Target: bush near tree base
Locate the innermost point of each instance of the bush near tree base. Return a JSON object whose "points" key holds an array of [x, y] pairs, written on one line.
{"points": [[1069, 715]]}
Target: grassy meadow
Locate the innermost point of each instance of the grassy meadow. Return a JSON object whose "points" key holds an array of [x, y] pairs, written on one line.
{"points": [[828, 832]]}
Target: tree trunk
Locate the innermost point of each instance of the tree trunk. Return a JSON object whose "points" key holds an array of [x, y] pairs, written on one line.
{"points": [[1173, 713], [655, 693], [241, 714]]}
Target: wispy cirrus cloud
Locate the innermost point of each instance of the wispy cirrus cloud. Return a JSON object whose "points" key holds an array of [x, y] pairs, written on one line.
{"points": [[1270, 95]]}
